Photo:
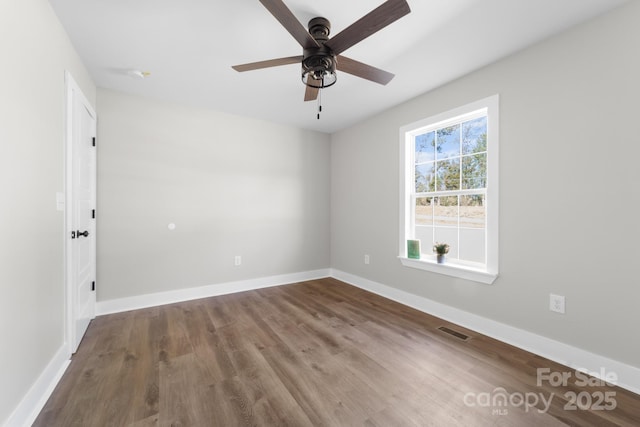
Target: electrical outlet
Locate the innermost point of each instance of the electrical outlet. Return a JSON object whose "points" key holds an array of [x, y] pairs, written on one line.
{"points": [[556, 303], [238, 260], [366, 259]]}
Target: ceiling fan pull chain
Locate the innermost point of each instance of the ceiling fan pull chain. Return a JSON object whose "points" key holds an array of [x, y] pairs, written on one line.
{"points": [[319, 102]]}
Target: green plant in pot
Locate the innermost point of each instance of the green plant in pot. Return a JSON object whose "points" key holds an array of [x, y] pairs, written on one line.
{"points": [[441, 249]]}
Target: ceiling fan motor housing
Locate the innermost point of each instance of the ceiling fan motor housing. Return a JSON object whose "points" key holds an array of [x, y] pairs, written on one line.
{"points": [[319, 63]]}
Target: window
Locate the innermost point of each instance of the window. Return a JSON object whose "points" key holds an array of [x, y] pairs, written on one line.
{"points": [[449, 190]]}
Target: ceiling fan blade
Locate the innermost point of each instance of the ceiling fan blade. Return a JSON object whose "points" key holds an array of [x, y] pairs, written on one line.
{"points": [[270, 63], [282, 13], [311, 93], [363, 70], [385, 14]]}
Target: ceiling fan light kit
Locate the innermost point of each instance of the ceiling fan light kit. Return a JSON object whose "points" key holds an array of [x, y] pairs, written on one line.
{"points": [[321, 55]]}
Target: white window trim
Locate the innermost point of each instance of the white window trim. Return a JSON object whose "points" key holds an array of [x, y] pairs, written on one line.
{"points": [[452, 268]]}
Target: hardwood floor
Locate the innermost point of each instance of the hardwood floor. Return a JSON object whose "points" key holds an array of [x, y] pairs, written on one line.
{"points": [[318, 353]]}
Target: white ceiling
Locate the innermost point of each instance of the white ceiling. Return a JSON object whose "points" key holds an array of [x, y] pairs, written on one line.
{"points": [[189, 47]]}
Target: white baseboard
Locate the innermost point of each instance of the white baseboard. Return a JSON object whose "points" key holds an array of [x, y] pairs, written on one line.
{"points": [[170, 297], [628, 376], [573, 357], [32, 403]]}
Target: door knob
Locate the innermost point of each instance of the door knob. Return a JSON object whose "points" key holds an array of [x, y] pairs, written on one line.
{"points": [[85, 233]]}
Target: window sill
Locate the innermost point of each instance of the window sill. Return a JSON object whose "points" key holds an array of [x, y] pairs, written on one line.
{"points": [[450, 269]]}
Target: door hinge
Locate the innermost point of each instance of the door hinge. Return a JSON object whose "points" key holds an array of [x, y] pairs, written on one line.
{"points": [[93, 286], [93, 141], [93, 213]]}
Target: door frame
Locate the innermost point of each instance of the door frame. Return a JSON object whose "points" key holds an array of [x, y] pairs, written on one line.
{"points": [[73, 96]]}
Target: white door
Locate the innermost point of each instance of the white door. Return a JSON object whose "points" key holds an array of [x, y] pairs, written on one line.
{"points": [[80, 213]]}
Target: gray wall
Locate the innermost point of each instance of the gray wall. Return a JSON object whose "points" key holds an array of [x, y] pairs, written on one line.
{"points": [[231, 185], [282, 197], [569, 219], [35, 51]]}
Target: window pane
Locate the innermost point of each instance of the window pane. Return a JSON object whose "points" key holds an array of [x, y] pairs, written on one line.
{"points": [[448, 142], [474, 136], [448, 174], [424, 233], [473, 213], [425, 147], [472, 245], [424, 211], [445, 211], [474, 171], [425, 178]]}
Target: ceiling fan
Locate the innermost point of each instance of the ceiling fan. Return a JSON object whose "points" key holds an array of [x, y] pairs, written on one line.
{"points": [[321, 55]]}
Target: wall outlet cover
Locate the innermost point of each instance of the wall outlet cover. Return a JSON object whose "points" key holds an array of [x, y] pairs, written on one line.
{"points": [[557, 303]]}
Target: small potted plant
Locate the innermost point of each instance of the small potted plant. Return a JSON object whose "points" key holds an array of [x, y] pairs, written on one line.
{"points": [[441, 249]]}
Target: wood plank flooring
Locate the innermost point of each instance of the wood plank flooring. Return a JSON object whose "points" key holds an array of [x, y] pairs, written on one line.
{"points": [[318, 353]]}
